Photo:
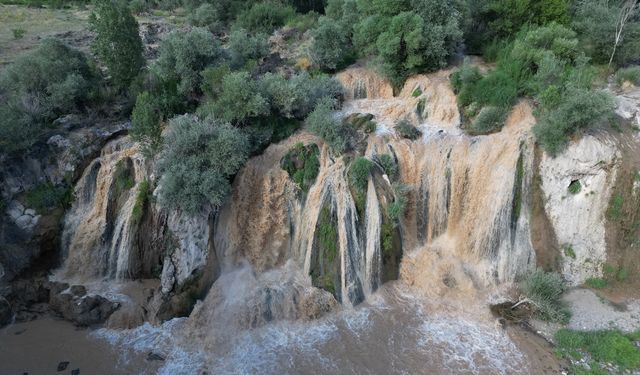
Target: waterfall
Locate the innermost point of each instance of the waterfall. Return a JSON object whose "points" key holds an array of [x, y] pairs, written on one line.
{"points": [[98, 231]]}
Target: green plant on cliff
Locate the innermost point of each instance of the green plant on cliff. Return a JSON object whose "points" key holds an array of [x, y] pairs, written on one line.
{"points": [[145, 124], [544, 290], [200, 157], [144, 192], [327, 233], [302, 164], [117, 43], [46, 197]]}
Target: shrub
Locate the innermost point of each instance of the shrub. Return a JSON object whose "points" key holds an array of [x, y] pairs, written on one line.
{"points": [[610, 346], [568, 251], [244, 46], [497, 89], [397, 207], [239, 99], [117, 43], [18, 33], [144, 191], [405, 129], [38, 87], [579, 109], [46, 196], [489, 119], [145, 124], [545, 289], [207, 16], [596, 282], [388, 165], [615, 207], [331, 49], [184, 55], [199, 158], [321, 122], [359, 173], [631, 74], [575, 187], [302, 164], [265, 17]]}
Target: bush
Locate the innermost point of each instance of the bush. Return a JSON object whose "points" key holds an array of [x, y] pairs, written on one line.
{"points": [[244, 47], [331, 49], [239, 99], [388, 165], [497, 89], [545, 290], [38, 87], [574, 187], [405, 129], [359, 173], [46, 196], [579, 109], [145, 124], [631, 74], [184, 55], [207, 16], [321, 122], [490, 119], [302, 164], [265, 17], [144, 191], [199, 159], [117, 43], [596, 282], [610, 346]]}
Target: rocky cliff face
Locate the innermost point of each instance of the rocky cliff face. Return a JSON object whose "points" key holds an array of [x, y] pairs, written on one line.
{"points": [[282, 249]]}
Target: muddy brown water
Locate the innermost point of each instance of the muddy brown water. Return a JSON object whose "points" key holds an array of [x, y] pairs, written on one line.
{"points": [[40, 346]]}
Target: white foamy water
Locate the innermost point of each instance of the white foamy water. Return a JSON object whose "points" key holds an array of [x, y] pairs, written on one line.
{"points": [[393, 333]]}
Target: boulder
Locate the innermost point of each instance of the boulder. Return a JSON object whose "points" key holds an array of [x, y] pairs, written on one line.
{"points": [[78, 307]]}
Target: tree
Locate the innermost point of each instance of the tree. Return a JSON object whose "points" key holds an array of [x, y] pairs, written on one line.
{"points": [[117, 43], [628, 9], [239, 99], [145, 123], [183, 57], [265, 16], [596, 22], [244, 46], [331, 48], [200, 157]]}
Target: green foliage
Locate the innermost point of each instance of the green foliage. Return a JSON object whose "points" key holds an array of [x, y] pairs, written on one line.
{"points": [[38, 87], [122, 178], [302, 164], [199, 159], [405, 37], [463, 81], [386, 233], [517, 195], [397, 207], [545, 290], [489, 119], [265, 16], [631, 74], [117, 43], [331, 49], [184, 55], [207, 16], [145, 124], [610, 346], [595, 21], [575, 187], [322, 123], [327, 233], [18, 33], [615, 207], [359, 173], [244, 46], [568, 251], [622, 275], [298, 95], [405, 129], [46, 197], [362, 122], [239, 99], [144, 192], [579, 109], [388, 165], [506, 17], [596, 282]]}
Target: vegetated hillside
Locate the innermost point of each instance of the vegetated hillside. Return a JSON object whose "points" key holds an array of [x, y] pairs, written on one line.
{"points": [[201, 87]]}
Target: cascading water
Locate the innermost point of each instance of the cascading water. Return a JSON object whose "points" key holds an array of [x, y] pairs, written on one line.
{"points": [[465, 227], [97, 238]]}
